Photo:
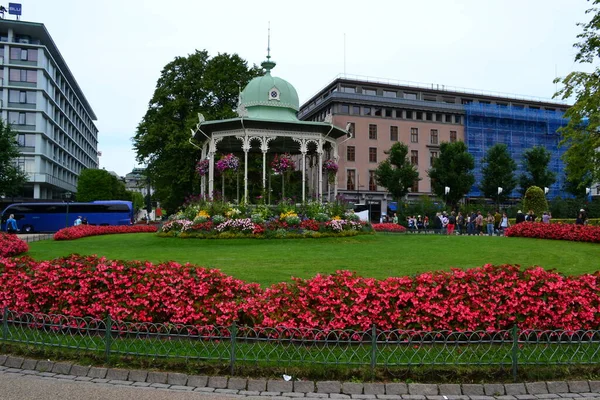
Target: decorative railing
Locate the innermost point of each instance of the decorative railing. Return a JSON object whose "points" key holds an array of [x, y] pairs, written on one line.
{"points": [[288, 347]]}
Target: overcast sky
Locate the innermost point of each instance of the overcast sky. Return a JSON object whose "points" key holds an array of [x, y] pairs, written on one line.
{"points": [[116, 49]]}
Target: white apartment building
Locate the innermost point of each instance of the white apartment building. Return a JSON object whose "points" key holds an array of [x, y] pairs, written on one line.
{"points": [[42, 101]]}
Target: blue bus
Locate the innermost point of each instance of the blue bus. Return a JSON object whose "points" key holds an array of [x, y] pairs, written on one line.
{"points": [[51, 217]]}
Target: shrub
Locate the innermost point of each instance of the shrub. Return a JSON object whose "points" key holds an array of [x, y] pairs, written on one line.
{"points": [[578, 233], [80, 231], [535, 200], [11, 245]]}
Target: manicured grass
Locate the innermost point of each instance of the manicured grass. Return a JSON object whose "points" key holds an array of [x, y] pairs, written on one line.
{"points": [[378, 256]]}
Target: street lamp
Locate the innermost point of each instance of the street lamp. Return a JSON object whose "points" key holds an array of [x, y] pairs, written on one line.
{"points": [[67, 197], [500, 190]]}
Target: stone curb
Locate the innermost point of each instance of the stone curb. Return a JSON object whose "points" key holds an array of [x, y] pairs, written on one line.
{"points": [[294, 389]]}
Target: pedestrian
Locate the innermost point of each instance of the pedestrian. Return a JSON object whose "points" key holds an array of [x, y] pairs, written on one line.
{"points": [[546, 217], [584, 216], [460, 223], [11, 224], [77, 221], [473, 223], [520, 217], [580, 218], [479, 223], [497, 218], [84, 221], [395, 219], [490, 224], [504, 223], [530, 217], [426, 222], [451, 223]]}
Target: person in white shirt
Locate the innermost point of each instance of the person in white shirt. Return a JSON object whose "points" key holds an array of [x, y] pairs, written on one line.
{"points": [[77, 221]]}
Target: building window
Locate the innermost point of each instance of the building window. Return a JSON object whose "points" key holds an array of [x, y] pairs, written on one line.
{"points": [[409, 114], [351, 153], [367, 111], [414, 157], [373, 154], [448, 118], [457, 119], [434, 136], [393, 133], [415, 186], [372, 181], [22, 75], [348, 89], [432, 156], [351, 179], [414, 135], [388, 113], [452, 136], [21, 118], [420, 115], [370, 92], [345, 109], [17, 53], [388, 93], [438, 117], [377, 112], [410, 96], [429, 116], [373, 131], [356, 110]]}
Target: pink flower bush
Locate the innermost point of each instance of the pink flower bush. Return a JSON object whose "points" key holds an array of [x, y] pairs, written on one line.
{"points": [[79, 231], [578, 233], [388, 227], [11, 245], [488, 298]]}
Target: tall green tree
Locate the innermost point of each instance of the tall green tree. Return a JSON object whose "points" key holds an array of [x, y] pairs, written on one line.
{"points": [[582, 133], [535, 165], [454, 169], [498, 171], [99, 184], [12, 178], [396, 173], [187, 86]]}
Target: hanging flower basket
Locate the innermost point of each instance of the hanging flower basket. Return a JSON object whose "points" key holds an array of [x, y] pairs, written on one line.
{"points": [[228, 163], [283, 163], [202, 167], [330, 167]]}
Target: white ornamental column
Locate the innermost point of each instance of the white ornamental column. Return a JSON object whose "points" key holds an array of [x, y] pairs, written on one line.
{"points": [[320, 172], [203, 177], [336, 158]]}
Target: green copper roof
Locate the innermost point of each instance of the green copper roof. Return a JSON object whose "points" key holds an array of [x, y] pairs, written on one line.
{"points": [[269, 97]]}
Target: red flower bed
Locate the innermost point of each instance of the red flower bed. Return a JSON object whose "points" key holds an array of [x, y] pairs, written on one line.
{"points": [[389, 227], [128, 290], [11, 245], [77, 232], [578, 233], [489, 298]]}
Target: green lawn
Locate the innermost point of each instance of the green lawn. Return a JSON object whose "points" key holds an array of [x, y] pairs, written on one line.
{"points": [[379, 256]]}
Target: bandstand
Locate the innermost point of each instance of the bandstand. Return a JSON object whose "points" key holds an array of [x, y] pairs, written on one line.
{"points": [[267, 123]]}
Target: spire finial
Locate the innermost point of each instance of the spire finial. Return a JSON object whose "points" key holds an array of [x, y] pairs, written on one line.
{"points": [[269, 42], [268, 64]]}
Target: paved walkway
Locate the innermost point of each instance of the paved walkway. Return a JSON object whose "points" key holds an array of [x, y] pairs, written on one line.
{"points": [[63, 377]]}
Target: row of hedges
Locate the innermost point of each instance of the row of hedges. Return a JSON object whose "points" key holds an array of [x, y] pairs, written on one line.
{"points": [[485, 298]]}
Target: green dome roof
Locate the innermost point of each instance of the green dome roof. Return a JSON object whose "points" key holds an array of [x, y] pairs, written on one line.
{"points": [[269, 97]]}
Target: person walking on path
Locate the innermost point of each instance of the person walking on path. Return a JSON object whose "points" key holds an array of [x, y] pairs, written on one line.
{"points": [[11, 224], [490, 224], [503, 223]]}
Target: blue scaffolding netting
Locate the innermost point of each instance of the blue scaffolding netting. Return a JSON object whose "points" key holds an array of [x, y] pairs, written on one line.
{"points": [[519, 129]]}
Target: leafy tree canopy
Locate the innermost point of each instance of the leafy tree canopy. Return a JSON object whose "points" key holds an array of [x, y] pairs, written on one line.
{"points": [[396, 173], [187, 86], [454, 169], [535, 164], [12, 178], [98, 184], [582, 134], [498, 171]]}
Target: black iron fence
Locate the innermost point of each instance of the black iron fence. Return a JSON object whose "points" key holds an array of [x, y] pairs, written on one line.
{"points": [[287, 347]]}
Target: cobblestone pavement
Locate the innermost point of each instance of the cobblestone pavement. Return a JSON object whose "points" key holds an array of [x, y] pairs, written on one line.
{"points": [[16, 372]]}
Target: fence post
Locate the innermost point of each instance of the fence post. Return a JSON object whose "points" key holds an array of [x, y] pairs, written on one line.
{"points": [[4, 328], [373, 349], [515, 352], [107, 338], [233, 333]]}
